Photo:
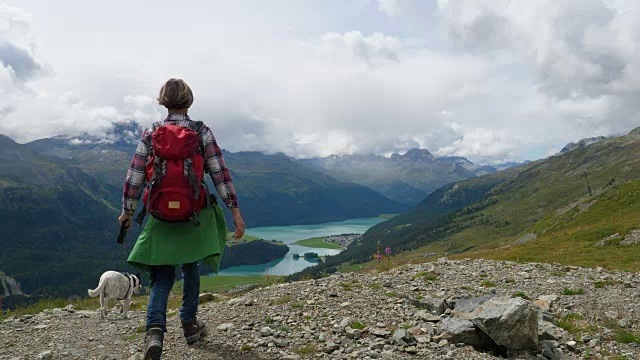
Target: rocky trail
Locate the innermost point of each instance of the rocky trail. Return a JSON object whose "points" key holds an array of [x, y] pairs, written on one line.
{"points": [[467, 309]]}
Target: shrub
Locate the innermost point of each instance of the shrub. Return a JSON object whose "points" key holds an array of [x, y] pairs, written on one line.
{"points": [[568, 291], [520, 294]]}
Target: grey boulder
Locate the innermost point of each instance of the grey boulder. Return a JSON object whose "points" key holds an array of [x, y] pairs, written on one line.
{"points": [[510, 322]]}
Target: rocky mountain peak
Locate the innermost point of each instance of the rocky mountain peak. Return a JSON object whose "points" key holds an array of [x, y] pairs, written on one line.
{"points": [[582, 143], [418, 155]]}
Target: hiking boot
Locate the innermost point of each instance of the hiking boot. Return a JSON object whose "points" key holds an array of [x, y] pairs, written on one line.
{"points": [[193, 331], [154, 339]]}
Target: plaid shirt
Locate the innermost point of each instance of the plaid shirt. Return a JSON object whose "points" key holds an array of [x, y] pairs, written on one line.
{"points": [[214, 163]]}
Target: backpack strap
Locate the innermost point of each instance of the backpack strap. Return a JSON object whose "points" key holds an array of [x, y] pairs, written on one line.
{"points": [[190, 174]]}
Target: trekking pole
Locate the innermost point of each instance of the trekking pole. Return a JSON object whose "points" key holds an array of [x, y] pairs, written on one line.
{"points": [[123, 232]]}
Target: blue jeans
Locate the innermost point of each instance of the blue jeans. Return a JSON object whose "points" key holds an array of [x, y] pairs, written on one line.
{"points": [[162, 278]]}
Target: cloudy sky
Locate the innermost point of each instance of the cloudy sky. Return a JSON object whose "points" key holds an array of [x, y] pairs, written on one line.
{"points": [[490, 80]]}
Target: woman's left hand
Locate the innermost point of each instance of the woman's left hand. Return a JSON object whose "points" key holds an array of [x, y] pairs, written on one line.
{"points": [[239, 223]]}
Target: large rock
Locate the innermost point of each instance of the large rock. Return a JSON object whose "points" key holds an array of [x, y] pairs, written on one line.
{"points": [[432, 304], [510, 322], [403, 337], [463, 331], [467, 305], [427, 316], [548, 331]]}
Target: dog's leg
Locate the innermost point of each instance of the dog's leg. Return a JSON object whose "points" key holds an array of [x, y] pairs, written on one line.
{"points": [[125, 308], [102, 305], [105, 309]]}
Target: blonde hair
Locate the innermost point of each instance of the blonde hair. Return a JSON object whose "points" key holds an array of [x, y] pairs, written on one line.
{"points": [[175, 94]]}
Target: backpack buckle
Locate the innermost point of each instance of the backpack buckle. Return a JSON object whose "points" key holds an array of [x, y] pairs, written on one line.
{"points": [[194, 219]]}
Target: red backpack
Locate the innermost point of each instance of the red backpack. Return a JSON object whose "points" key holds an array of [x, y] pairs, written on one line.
{"points": [[174, 172]]}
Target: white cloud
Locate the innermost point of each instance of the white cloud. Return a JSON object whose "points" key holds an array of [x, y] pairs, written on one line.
{"points": [[332, 78], [483, 145], [584, 54], [371, 49], [396, 7]]}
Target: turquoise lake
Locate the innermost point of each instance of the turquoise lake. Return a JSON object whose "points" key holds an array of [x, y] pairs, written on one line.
{"points": [[292, 233]]}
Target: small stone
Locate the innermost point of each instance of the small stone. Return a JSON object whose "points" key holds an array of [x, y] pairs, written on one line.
{"points": [[427, 316], [330, 347], [624, 323], [250, 302], [411, 350], [346, 322], [226, 326], [403, 337], [236, 301], [266, 331], [281, 343], [333, 294], [380, 332], [40, 327], [205, 297], [572, 345], [353, 333], [345, 304], [47, 355]]}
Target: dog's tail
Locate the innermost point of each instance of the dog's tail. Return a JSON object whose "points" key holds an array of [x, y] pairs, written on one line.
{"points": [[98, 290]]}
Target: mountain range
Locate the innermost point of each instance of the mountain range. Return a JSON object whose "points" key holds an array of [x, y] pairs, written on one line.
{"points": [[406, 178], [578, 207], [60, 196]]}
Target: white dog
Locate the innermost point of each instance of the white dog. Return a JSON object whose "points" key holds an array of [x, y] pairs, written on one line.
{"points": [[118, 286]]}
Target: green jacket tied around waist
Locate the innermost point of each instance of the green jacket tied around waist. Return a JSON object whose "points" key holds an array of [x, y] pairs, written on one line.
{"points": [[163, 243]]}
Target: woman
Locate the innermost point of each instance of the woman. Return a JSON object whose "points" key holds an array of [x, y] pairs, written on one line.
{"points": [[164, 245]]}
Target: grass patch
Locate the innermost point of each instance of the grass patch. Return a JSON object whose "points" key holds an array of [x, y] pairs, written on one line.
{"points": [[357, 325], [427, 276], [346, 286], [571, 292], [626, 337], [510, 281], [308, 317], [306, 350], [317, 242], [283, 328], [521, 294], [268, 320], [246, 347], [375, 286], [297, 305], [558, 273], [488, 284], [391, 294], [483, 275], [573, 323], [281, 300], [604, 284], [130, 337]]}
